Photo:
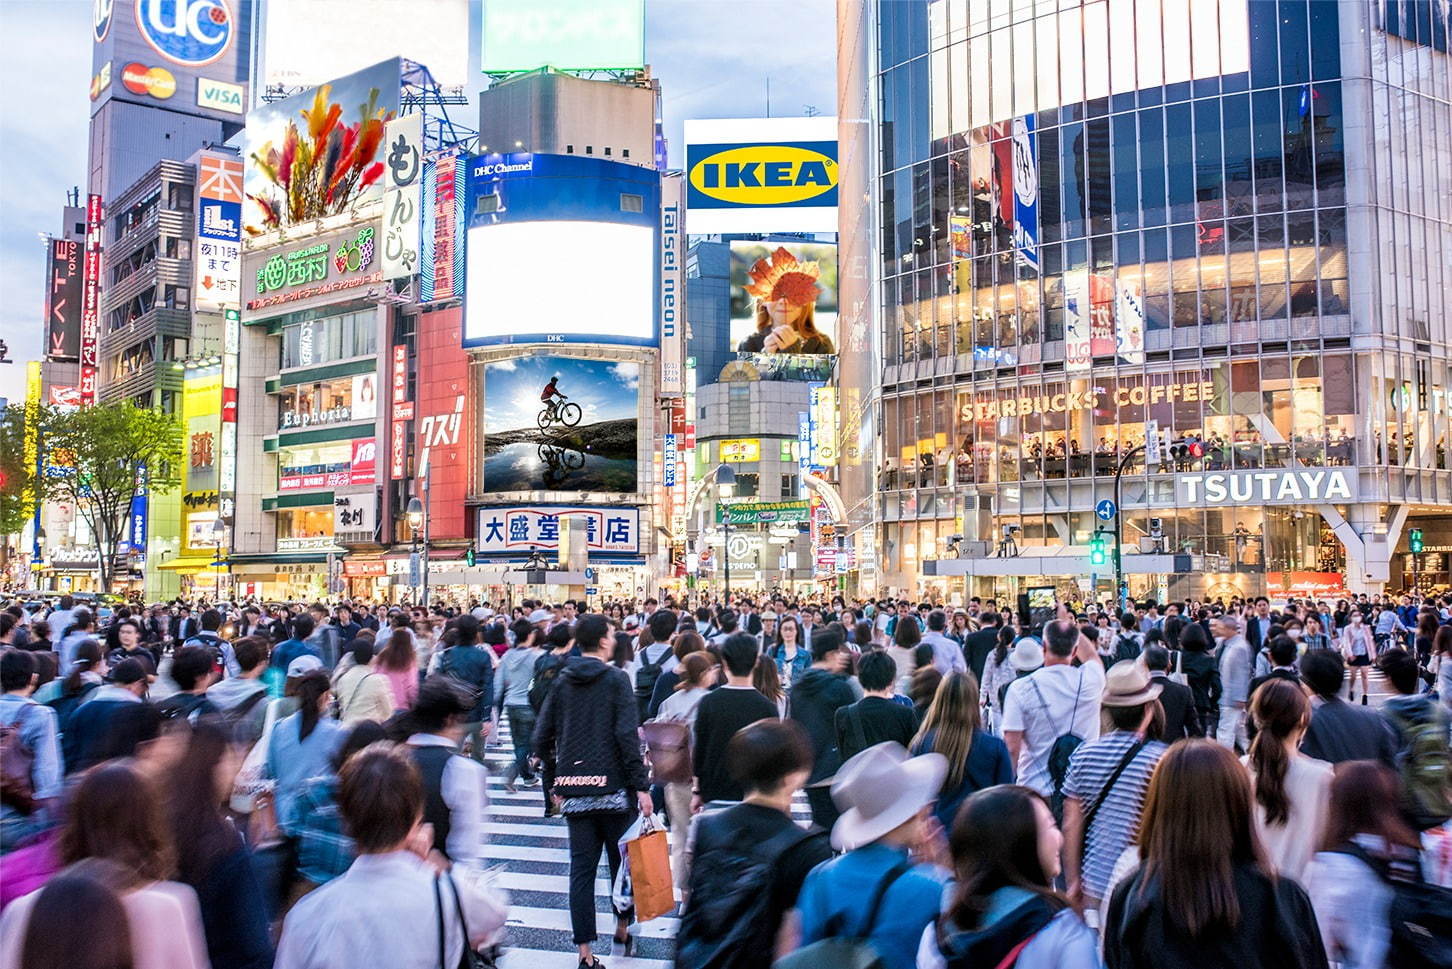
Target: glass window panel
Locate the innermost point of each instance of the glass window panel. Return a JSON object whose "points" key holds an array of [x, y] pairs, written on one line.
{"points": [[1023, 69], [1096, 41], [1071, 173], [1126, 171], [1325, 41], [1294, 42], [1299, 149], [1235, 35], [1051, 212], [1209, 190], [1177, 40], [1097, 175], [1149, 48], [1047, 44], [1264, 45], [1269, 153], [1180, 146], [981, 83], [1071, 55], [939, 95], [1121, 46], [1001, 67], [959, 118], [1152, 165], [1205, 37]]}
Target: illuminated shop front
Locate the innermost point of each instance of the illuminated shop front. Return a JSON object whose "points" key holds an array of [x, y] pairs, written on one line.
{"points": [[1073, 248]]}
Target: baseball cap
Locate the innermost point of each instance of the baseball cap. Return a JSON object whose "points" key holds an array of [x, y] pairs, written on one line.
{"points": [[304, 665], [541, 615]]}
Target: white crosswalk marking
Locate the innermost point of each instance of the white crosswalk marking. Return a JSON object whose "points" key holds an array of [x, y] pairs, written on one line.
{"points": [[531, 853]]}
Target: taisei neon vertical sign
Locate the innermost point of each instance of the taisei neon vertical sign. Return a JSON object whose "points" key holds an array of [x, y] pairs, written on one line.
{"points": [[91, 301]]}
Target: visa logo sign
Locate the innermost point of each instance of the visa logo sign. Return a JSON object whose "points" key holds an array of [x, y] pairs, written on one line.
{"points": [[220, 96], [730, 176]]}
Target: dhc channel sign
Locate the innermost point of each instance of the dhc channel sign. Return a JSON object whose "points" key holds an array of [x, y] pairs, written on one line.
{"points": [[762, 175], [189, 32]]}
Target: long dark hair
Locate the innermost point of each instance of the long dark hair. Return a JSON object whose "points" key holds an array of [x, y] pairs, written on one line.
{"points": [[1193, 852], [1357, 804], [1279, 709], [398, 656], [1006, 636], [995, 844], [115, 813], [194, 807], [87, 657], [310, 688], [55, 938]]}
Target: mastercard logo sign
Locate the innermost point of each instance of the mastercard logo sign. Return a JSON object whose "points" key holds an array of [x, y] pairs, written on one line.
{"points": [[157, 82]]}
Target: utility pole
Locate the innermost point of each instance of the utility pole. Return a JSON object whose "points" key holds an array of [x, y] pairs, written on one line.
{"points": [[1120, 592]]}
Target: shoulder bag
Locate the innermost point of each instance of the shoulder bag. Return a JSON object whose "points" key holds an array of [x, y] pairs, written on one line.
{"points": [[1093, 810]]}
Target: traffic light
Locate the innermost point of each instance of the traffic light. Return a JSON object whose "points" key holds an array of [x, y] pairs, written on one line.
{"points": [[469, 556], [1414, 541], [1187, 449], [1098, 554]]}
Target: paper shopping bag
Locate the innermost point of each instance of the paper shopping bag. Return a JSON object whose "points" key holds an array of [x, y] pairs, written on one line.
{"points": [[650, 875]]}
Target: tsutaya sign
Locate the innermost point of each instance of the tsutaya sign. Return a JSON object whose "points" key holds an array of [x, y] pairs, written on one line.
{"points": [[1301, 486], [990, 406]]}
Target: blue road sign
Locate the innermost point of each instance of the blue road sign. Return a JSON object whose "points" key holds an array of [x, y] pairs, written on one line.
{"points": [[1106, 510]]}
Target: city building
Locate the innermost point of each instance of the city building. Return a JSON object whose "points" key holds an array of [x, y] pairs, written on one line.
{"points": [[549, 112], [1227, 229]]}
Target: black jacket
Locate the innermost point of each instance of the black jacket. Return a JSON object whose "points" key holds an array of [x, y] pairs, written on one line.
{"points": [[977, 647], [589, 728], [1277, 929], [880, 720], [1203, 674], [814, 701], [1181, 717], [1340, 731]]}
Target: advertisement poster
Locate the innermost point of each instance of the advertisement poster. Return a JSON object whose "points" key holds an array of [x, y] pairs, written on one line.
{"points": [[761, 175], [561, 424], [784, 298], [91, 301], [363, 32], [297, 170], [446, 418], [219, 232], [568, 35], [537, 528], [403, 195], [1129, 322], [63, 301], [1026, 192], [1078, 321]]}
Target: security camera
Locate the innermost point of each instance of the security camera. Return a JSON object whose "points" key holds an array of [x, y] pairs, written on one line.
{"points": [[953, 539]]}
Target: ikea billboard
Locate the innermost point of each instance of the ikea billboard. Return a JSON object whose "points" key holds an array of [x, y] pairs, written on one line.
{"points": [[761, 175]]}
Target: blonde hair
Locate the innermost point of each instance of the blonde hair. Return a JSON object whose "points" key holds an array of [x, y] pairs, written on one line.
{"points": [[951, 718]]}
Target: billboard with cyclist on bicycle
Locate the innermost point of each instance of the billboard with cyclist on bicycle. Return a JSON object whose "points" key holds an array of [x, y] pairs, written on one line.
{"points": [[554, 423]]}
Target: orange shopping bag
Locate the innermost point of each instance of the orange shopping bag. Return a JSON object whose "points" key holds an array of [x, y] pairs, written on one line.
{"points": [[650, 874]]}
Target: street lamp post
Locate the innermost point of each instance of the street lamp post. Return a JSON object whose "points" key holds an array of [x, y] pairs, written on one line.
{"points": [[726, 487], [1119, 590], [416, 519], [219, 532]]}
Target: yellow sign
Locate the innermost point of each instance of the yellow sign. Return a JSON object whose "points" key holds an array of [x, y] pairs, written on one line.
{"points": [[741, 450], [989, 406], [765, 175]]}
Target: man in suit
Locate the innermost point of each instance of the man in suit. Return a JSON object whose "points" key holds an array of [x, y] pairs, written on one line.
{"points": [[1339, 731], [979, 644], [1181, 718], [1257, 625]]}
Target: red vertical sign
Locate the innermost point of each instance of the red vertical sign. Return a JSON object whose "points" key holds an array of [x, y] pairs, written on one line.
{"points": [[444, 228], [445, 419], [91, 302]]}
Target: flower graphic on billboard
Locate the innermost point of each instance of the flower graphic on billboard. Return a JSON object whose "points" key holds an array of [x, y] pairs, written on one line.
{"points": [[315, 161]]}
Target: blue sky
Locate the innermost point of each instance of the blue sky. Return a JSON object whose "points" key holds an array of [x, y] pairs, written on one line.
{"points": [[713, 58], [605, 390]]}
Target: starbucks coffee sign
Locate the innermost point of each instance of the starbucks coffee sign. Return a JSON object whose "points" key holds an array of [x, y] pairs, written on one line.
{"points": [[1299, 486]]}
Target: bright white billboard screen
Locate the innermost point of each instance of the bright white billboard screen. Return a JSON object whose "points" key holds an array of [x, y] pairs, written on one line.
{"points": [[560, 281], [522, 35]]}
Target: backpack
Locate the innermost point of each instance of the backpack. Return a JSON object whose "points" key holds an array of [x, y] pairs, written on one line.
{"points": [[183, 706], [1062, 750], [1425, 764], [648, 673], [731, 897], [546, 668], [843, 950], [1126, 647], [65, 705], [669, 743], [16, 760], [1420, 916]]}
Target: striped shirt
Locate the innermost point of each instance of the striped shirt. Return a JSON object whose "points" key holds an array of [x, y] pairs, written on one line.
{"points": [[1117, 821]]}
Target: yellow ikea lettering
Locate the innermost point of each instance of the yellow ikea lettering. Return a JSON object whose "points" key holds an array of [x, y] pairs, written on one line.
{"points": [[765, 175]]}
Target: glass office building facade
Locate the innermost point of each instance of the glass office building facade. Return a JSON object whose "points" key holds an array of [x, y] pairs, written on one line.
{"points": [[1228, 219]]}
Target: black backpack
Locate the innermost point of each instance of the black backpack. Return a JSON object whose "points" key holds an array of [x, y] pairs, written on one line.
{"points": [[546, 668], [648, 673], [65, 704], [1420, 916], [730, 897], [1125, 647]]}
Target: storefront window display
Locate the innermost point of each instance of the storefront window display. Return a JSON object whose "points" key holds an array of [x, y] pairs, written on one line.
{"points": [[304, 527], [333, 401], [312, 342]]}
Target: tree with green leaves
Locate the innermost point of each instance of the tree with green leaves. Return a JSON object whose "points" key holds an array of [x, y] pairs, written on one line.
{"points": [[105, 455], [17, 472]]}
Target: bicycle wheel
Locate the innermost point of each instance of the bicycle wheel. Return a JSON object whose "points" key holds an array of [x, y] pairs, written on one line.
{"points": [[569, 414], [572, 458], [545, 419]]}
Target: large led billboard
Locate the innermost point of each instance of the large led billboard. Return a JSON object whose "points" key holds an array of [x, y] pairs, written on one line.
{"points": [[319, 152], [570, 35], [561, 249], [560, 424], [784, 297], [306, 42], [761, 175], [63, 298]]}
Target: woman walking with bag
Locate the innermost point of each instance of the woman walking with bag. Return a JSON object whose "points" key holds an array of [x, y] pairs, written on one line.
{"points": [[669, 738]]}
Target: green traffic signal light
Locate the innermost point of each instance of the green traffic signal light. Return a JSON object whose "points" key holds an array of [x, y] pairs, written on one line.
{"points": [[1097, 554], [1414, 541], [469, 556]]}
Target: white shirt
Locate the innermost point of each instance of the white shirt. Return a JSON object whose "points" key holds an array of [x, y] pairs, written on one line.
{"points": [[1046, 705], [464, 789], [381, 912], [682, 705], [947, 655], [1290, 846]]}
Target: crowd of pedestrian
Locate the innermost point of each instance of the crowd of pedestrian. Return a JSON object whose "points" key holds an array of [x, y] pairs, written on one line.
{"points": [[1169, 784]]}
